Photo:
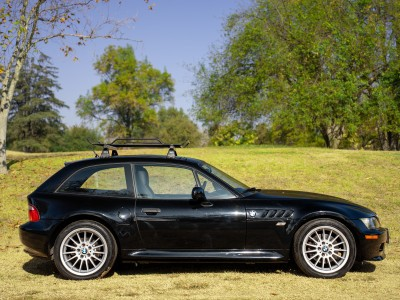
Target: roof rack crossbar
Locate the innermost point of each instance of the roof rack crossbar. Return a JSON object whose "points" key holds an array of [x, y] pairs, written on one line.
{"points": [[137, 143], [137, 140]]}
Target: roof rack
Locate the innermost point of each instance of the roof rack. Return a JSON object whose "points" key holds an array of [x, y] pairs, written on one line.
{"points": [[136, 143]]}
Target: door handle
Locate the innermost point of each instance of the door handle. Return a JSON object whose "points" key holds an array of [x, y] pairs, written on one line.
{"points": [[151, 211]]}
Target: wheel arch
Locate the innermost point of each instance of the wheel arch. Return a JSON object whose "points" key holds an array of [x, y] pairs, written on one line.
{"points": [[325, 215], [80, 217]]}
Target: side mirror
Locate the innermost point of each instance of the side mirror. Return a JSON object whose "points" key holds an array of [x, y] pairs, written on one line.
{"points": [[198, 194]]}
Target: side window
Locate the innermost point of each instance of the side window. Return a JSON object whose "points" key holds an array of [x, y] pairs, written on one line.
{"points": [[164, 182], [109, 180], [214, 190]]}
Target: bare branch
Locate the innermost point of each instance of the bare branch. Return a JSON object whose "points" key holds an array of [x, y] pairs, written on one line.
{"points": [[25, 24], [80, 36]]}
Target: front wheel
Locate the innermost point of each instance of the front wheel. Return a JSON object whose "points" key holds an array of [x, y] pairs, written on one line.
{"points": [[84, 250], [324, 248]]}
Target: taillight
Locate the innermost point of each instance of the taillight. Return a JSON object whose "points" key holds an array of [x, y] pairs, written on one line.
{"points": [[34, 215]]}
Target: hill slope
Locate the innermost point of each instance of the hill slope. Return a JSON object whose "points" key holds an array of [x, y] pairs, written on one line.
{"points": [[367, 178]]}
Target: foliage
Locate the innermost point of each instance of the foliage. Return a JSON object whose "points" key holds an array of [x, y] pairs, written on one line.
{"points": [[324, 69], [76, 138], [233, 134], [128, 94], [34, 120], [35, 124], [284, 134], [174, 126], [25, 24]]}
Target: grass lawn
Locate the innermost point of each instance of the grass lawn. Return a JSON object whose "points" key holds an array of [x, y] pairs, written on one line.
{"points": [[368, 178]]}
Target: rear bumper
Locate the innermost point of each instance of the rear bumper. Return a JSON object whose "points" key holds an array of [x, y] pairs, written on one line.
{"points": [[35, 236], [374, 249]]}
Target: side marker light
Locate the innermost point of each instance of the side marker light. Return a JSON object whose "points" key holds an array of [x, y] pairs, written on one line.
{"points": [[371, 236]]}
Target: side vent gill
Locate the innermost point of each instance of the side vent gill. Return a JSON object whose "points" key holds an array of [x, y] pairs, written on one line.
{"points": [[277, 213]]}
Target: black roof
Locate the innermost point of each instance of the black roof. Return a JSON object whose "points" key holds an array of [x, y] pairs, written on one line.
{"points": [[70, 167], [128, 158]]}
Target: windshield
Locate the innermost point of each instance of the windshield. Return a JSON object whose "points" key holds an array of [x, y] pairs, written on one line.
{"points": [[236, 184]]}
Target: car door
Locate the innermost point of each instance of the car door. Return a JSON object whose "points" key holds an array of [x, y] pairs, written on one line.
{"points": [[168, 218]]}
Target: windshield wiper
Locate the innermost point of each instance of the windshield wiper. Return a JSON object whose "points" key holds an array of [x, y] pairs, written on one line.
{"points": [[252, 189]]}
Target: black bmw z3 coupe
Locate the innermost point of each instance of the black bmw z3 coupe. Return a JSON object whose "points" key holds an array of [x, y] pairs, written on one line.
{"points": [[153, 208]]}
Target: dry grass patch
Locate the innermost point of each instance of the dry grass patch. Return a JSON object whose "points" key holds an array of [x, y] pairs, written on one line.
{"points": [[367, 178]]}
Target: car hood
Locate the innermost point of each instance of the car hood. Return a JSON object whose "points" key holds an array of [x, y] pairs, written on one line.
{"points": [[314, 201], [286, 194]]}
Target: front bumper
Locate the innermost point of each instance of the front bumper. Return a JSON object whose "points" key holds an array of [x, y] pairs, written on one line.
{"points": [[35, 236], [373, 249]]}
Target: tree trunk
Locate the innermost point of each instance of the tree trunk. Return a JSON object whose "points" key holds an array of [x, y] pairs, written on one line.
{"points": [[3, 132], [393, 140], [383, 140], [325, 136], [335, 142], [332, 135], [396, 142], [7, 93]]}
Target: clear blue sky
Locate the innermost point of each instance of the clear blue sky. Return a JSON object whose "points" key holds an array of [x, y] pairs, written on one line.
{"points": [[174, 35]]}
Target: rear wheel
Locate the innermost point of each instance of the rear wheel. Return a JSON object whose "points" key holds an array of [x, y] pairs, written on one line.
{"points": [[324, 248], [85, 250]]}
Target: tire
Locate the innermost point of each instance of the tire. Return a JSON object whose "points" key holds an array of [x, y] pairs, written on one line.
{"points": [[324, 248], [85, 250]]}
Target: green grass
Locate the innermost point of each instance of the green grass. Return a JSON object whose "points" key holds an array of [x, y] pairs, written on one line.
{"points": [[368, 178]]}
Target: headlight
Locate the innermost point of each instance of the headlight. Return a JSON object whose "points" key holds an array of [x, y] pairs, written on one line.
{"points": [[371, 223]]}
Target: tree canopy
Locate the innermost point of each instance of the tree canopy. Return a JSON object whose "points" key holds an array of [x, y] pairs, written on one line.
{"points": [[174, 126], [34, 120], [76, 138], [35, 124], [306, 72], [130, 90]]}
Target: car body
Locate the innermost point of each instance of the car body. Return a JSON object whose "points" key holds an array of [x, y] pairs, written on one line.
{"points": [[152, 208]]}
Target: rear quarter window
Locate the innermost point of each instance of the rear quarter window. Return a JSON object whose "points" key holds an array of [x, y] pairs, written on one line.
{"points": [[105, 180]]}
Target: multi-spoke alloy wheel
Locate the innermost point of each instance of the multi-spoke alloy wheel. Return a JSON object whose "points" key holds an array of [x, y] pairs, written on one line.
{"points": [[84, 250], [324, 248]]}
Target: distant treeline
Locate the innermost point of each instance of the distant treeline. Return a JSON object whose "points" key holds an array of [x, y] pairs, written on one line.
{"points": [[128, 102], [305, 73]]}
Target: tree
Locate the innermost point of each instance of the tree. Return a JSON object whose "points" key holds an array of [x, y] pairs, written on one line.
{"points": [[126, 99], [174, 126], [34, 117], [76, 138], [24, 25], [308, 70]]}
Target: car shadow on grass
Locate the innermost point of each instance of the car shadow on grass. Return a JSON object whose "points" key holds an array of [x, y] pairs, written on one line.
{"points": [[363, 267], [43, 267], [170, 268], [39, 266]]}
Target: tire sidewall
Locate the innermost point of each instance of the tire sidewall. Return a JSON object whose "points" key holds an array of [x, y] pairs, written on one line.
{"points": [[298, 247], [111, 250]]}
